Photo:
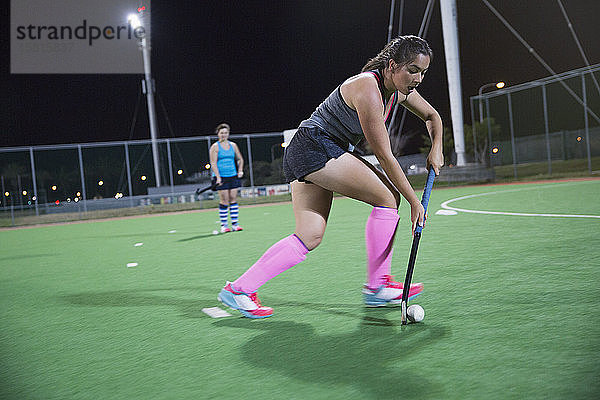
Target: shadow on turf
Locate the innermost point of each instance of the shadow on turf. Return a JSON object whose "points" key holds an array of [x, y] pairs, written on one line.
{"points": [[208, 235], [369, 358], [24, 257], [188, 304]]}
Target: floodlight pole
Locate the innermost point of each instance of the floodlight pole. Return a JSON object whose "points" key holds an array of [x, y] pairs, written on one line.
{"points": [[151, 109], [450, 33], [140, 34]]}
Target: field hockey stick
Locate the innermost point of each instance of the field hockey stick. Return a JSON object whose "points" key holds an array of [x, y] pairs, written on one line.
{"points": [[212, 186], [415, 246]]}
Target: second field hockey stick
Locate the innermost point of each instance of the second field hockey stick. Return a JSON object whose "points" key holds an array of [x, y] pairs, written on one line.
{"points": [[415, 246], [213, 186]]}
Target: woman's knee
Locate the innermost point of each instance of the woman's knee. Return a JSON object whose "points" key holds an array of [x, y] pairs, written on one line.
{"points": [[311, 239], [223, 197], [387, 199]]}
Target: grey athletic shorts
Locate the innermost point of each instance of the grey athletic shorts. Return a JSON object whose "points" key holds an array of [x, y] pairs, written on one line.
{"points": [[309, 151]]}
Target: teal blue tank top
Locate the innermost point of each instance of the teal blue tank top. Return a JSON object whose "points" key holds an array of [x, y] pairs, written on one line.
{"points": [[226, 161]]}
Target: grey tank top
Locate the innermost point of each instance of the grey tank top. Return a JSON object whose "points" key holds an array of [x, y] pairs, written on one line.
{"points": [[338, 120]]}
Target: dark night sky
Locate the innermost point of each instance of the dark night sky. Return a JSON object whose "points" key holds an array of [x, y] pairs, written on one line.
{"points": [[263, 66]]}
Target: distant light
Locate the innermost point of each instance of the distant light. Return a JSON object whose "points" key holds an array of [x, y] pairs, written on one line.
{"points": [[53, 187], [142, 8], [7, 194], [207, 166], [134, 21], [24, 192], [100, 183], [284, 144], [34, 198], [29, 202], [579, 138], [57, 202], [68, 199], [179, 171], [412, 166], [118, 195], [500, 85], [143, 177], [76, 199], [78, 194], [495, 150]]}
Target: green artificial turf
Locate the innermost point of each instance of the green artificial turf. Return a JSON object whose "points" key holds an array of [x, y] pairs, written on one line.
{"points": [[512, 306]]}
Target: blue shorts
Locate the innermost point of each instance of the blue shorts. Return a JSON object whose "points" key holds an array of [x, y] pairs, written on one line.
{"points": [[308, 151], [228, 182]]}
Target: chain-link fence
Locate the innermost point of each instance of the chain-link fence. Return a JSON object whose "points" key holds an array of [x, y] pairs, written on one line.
{"points": [[550, 120], [79, 178]]}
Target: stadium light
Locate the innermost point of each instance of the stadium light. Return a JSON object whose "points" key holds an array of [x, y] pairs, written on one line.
{"points": [[134, 21], [498, 85]]}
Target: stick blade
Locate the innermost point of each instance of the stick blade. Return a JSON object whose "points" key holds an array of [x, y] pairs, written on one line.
{"points": [[404, 316]]}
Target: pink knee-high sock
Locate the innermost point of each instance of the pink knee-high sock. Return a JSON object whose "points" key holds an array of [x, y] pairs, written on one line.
{"points": [[379, 235], [280, 257]]}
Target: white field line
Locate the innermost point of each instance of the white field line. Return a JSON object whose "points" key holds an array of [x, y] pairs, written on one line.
{"points": [[446, 206]]}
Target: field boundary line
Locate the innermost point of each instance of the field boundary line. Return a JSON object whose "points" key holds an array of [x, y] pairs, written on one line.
{"points": [[445, 205]]}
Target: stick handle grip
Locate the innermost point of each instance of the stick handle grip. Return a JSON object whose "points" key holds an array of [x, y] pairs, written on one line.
{"points": [[426, 194]]}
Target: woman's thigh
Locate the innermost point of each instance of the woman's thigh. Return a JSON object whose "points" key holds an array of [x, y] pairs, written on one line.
{"points": [[350, 176]]}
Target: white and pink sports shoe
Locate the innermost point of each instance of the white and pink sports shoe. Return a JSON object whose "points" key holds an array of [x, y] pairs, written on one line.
{"points": [[390, 293], [237, 228], [246, 303]]}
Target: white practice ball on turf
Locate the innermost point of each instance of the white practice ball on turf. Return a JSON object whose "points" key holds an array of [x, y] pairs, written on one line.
{"points": [[415, 313], [215, 232]]}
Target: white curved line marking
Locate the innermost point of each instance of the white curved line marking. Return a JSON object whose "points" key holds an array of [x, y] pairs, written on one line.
{"points": [[447, 207]]}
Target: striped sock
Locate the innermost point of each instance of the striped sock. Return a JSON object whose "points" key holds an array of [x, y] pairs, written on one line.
{"points": [[233, 212], [223, 214]]}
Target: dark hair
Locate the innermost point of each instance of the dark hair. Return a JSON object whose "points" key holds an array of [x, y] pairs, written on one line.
{"points": [[402, 50], [221, 126]]}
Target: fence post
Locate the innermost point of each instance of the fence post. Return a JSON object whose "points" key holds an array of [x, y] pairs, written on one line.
{"points": [[250, 164], [489, 126], [548, 150], [33, 178], [563, 143], [83, 192], [512, 134], [170, 164], [587, 127], [129, 186], [475, 158], [3, 190]]}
